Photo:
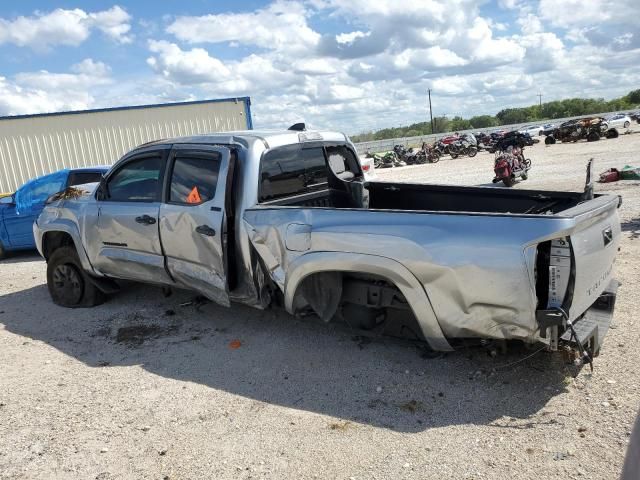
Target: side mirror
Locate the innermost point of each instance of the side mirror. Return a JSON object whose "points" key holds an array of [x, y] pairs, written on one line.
{"points": [[8, 200]]}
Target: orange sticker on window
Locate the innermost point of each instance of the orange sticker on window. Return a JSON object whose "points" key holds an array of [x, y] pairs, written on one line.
{"points": [[194, 196]]}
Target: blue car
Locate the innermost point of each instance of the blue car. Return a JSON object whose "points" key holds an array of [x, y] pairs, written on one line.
{"points": [[20, 210]]}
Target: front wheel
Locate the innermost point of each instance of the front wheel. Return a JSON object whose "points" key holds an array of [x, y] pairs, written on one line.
{"points": [[435, 158], [68, 284], [627, 124], [473, 151]]}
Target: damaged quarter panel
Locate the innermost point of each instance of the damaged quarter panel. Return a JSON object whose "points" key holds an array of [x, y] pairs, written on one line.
{"points": [[472, 267]]}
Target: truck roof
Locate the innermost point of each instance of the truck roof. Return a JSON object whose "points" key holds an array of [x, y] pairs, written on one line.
{"points": [[272, 138]]}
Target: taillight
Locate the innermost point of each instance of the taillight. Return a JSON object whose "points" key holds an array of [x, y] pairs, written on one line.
{"points": [[365, 168]]}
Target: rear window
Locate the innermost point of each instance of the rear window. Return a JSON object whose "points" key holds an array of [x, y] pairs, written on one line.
{"points": [[282, 173]]}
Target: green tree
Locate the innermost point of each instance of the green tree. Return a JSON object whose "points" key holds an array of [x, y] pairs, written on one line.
{"points": [[483, 121], [633, 97]]}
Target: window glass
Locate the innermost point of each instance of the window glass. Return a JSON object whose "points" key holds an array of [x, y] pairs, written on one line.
{"points": [[315, 166], [341, 160], [281, 174], [80, 178], [137, 181], [194, 179]]}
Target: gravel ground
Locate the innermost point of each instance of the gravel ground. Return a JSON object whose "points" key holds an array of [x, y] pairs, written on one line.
{"points": [[142, 387]]}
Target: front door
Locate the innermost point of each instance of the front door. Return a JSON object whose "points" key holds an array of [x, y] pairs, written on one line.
{"points": [[193, 225], [126, 242]]}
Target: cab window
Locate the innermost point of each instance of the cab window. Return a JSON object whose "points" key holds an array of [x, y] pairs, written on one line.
{"points": [[137, 181], [194, 178]]}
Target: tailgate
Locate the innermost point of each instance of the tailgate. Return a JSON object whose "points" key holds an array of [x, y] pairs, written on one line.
{"points": [[594, 244]]}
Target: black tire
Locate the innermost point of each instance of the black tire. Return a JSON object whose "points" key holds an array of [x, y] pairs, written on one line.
{"points": [[627, 124], [454, 155], [613, 133], [473, 151], [509, 181], [593, 137], [3, 252], [549, 140], [435, 158], [68, 284]]}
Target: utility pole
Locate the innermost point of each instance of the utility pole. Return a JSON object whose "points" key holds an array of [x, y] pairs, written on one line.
{"points": [[540, 97], [430, 110]]}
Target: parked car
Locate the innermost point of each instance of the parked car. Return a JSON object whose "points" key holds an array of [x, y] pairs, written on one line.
{"points": [[19, 210], [286, 218], [548, 129], [620, 120], [591, 129], [533, 130]]}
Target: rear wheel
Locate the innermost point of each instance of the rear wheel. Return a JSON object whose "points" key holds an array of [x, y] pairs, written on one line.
{"points": [[627, 124], [3, 252], [509, 181], [68, 284], [549, 140], [473, 151], [435, 157], [593, 137]]}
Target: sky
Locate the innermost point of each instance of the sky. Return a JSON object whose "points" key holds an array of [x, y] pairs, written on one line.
{"points": [[349, 65]]}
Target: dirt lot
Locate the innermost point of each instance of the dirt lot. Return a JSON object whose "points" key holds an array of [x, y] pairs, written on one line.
{"points": [[143, 387]]}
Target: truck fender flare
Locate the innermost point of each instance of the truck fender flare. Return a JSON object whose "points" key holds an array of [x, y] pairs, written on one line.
{"points": [[71, 230], [387, 268]]}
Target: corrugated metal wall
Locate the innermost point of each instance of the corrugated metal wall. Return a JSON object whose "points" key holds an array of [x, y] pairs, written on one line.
{"points": [[31, 146]]}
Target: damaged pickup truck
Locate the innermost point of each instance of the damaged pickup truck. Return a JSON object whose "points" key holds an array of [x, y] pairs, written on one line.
{"points": [[286, 218]]}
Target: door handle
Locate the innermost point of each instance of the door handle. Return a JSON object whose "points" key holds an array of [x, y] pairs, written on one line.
{"points": [[146, 220], [206, 230]]}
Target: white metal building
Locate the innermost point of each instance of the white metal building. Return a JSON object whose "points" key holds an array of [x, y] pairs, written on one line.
{"points": [[33, 145]]}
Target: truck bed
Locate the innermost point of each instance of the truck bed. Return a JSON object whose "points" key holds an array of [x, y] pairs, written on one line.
{"points": [[407, 196]]}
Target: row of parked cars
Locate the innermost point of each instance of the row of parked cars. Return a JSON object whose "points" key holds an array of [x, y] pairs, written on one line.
{"points": [[618, 121]]}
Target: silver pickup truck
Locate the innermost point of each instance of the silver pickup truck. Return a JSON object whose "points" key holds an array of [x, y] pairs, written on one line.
{"points": [[286, 218]]}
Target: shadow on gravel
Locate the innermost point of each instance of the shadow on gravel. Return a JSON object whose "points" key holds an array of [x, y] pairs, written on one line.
{"points": [[274, 358], [633, 227], [21, 256]]}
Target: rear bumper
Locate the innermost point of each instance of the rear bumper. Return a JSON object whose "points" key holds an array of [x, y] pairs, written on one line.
{"points": [[592, 327]]}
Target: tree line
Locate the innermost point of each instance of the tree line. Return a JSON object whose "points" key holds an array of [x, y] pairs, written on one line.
{"points": [[571, 107]]}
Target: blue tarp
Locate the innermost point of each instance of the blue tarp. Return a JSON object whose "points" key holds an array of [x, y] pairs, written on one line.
{"points": [[34, 193]]}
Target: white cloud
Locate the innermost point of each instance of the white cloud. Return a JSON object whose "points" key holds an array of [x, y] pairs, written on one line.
{"points": [[64, 27], [281, 26], [186, 67], [43, 91]]}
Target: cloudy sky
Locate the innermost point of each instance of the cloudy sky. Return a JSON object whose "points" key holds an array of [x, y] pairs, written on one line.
{"points": [[352, 65]]}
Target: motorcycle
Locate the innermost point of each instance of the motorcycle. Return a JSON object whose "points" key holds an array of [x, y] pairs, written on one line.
{"points": [[431, 154], [418, 156], [510, 165], [463, 146], [388, 160]]}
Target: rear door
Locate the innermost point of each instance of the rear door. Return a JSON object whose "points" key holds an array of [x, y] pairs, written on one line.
{"points": [[193, 219], [126, 240]]}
